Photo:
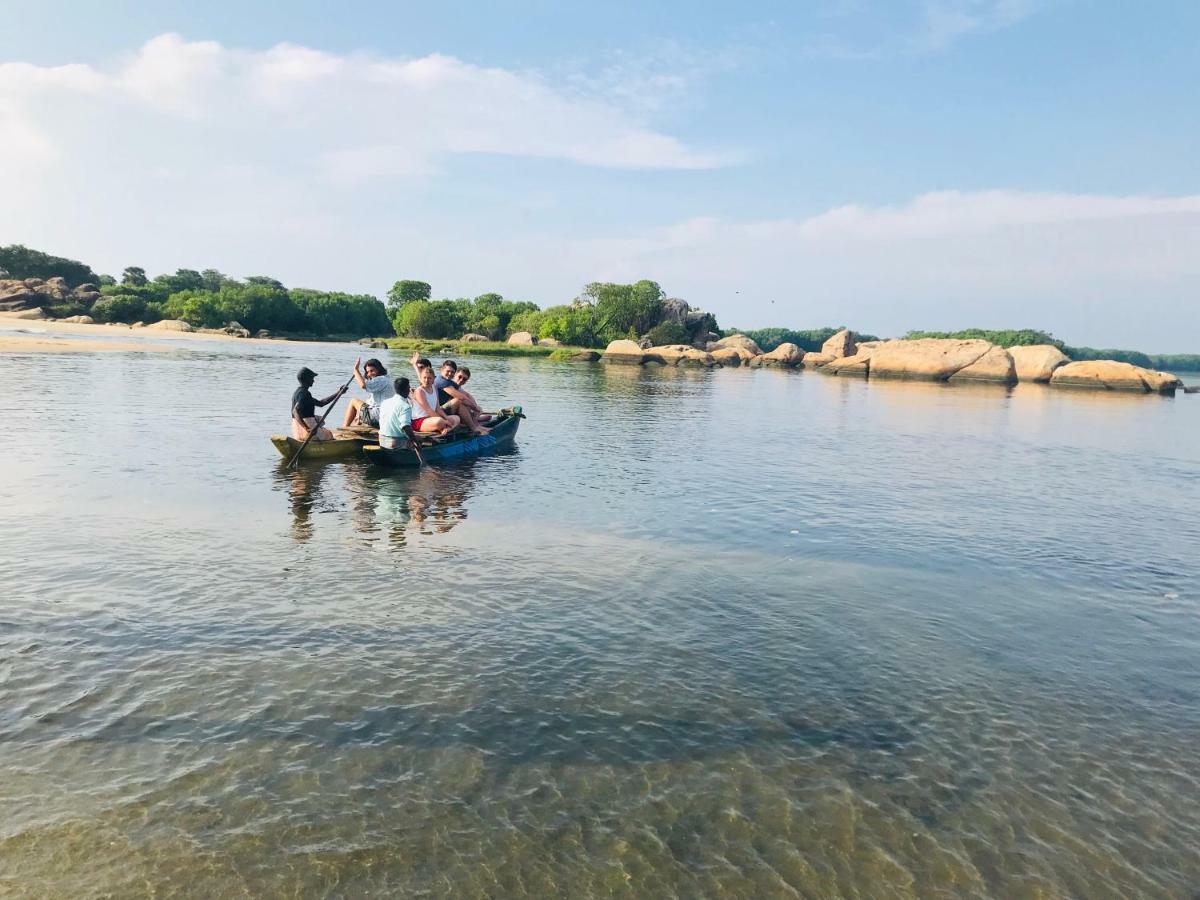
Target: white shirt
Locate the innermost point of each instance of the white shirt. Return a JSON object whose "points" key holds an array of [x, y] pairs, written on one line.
{"points": [[380, 388], [430, 398]]}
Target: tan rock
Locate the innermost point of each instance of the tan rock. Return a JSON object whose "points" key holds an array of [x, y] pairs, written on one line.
{"points": [[840, 344], [549, 342], [858, 365], [80, 320], [738, 341], [522, 338], [1037, 362], [586, 356], [815, 360], [36, 313], [929, 359], [732, 356], [868, 346], [785, 355], [471, 338], [678, 355], [995, 365], [171, 325], [1109, 375], [625, 352]]}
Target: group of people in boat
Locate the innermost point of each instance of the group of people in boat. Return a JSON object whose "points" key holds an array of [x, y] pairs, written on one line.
{"points": [[436, 405]]}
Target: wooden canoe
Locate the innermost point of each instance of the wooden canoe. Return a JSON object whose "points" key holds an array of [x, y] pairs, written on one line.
{"points": [[347, 442], [503, 430]]}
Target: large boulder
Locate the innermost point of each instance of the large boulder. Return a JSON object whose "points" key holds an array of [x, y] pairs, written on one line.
{"points": [[624, 352], [1037, 362], [16, 296], [236, 329], [927, 359], [815, 360], [1109, 375], [737, 341], [840, 344], [586, 356], [786, 355], [858, 365], [549, 342], [731, 356], [86, 288], [522, 339], [683, 355], [995, 365], [79, 320], [675, 310], [86, 298], [171, 325], [472, 338], [56, 288]]}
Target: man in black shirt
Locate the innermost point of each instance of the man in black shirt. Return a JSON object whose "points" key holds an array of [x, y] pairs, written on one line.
{"points": [[304, 408]]}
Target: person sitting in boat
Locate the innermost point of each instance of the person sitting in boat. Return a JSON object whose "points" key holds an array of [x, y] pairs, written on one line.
{"points": [[428, 416], [396, 417], [464, 402], [372, 378], [304, 408], [450, 398]]}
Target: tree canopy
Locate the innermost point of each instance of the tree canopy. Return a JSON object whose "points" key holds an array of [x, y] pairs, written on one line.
{"points": [[408, 291], [19, 261]]}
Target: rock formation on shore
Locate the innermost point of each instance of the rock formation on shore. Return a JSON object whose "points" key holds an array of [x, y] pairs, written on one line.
{"points": [[20, 295], [927, 359], [1037, 362]]}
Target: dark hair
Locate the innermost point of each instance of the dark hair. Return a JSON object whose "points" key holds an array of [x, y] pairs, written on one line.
{"points": [[451, 363], [401, 386], [465, 371], [423, 363], [377, 364]]}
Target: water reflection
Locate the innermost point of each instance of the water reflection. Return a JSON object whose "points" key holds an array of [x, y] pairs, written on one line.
{"points": [[399, 504]]}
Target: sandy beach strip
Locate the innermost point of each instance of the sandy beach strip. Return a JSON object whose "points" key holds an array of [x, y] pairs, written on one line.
{"points": [[19, 335]]}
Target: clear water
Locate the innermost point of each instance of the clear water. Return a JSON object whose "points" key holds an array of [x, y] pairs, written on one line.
{"points": [[720, 634]]}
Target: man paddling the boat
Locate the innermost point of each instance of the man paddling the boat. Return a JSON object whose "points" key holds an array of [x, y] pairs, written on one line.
{"points": [[304, 408]]}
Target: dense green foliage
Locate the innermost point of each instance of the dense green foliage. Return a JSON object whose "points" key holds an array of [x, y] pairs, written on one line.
{"points": [[210, 299], [19, 261], [1009, 337], [488, 314], [408, 291], [1177, 362], [668, 333], [1130, 356]]}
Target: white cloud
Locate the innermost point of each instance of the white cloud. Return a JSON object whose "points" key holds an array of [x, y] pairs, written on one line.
{"points": [[292, 106]]}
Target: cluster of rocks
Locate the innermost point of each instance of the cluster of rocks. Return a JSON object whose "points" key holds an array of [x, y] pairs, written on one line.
{"points": [[928, 359], [26, 295]]}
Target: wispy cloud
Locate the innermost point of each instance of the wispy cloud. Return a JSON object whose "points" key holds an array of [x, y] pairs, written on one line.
{"points": [[857, 30]]}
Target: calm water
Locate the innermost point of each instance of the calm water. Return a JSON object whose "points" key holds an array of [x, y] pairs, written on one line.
{"points": [[720, 634]]}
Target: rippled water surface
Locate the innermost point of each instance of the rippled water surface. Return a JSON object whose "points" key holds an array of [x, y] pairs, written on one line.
{"points": [[720, 634]]}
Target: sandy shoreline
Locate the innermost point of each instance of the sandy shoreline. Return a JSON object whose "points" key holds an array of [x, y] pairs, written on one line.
{"points": [[52, 336]]}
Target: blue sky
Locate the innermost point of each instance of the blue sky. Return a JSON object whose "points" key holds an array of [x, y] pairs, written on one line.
{"points": [[941, 164]]}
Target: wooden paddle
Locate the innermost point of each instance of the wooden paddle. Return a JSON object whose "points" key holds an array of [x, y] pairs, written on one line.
{"points": [[321, 421]]}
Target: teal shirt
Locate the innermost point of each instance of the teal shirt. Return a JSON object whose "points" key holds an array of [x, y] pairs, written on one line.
{"points": [[394, 413]]}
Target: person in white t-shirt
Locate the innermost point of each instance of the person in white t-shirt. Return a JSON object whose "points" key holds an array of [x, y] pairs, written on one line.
{"points": [[372, 378], [396, 416]]}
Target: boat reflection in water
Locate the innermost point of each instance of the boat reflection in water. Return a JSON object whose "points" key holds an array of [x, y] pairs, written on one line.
{"points": [[399, 503]]}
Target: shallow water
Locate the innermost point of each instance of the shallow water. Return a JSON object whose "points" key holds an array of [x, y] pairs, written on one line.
{"points": [[727, 634]]}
